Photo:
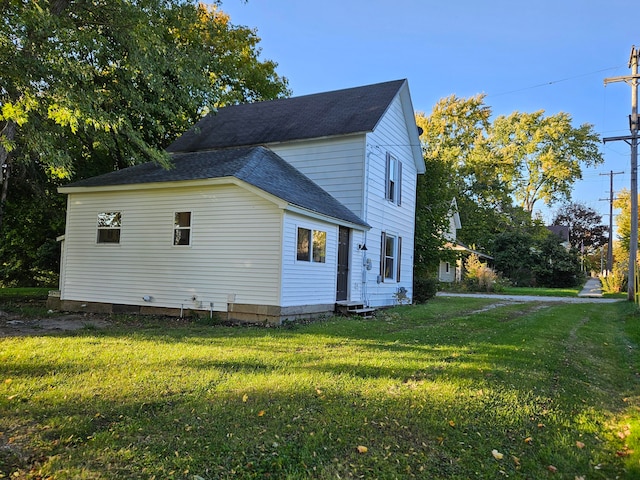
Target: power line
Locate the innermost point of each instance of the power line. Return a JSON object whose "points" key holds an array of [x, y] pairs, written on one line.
{"points": [[553, 82], [632, 140]]}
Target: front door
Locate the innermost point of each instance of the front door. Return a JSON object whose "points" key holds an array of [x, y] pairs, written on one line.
{"points": [[343, 264]]}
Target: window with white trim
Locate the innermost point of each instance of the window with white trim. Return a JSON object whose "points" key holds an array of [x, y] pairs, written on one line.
{"points": [[182, 228], [393, 180], [109, 225], [390, 256], [311, 245]]}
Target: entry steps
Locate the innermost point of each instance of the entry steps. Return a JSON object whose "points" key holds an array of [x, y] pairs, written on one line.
{"points": [[354, 308]]}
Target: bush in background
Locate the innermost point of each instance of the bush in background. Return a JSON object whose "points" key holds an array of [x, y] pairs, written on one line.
{"points": [[424, 289], [479, 276], [615, 281]]}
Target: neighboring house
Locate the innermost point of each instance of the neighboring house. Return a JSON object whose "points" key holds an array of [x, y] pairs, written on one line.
{"points": [[273, 210], [562, 232], [448, 271], [452, 272]]}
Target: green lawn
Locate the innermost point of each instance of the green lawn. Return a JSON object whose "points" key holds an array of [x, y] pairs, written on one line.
{"points": [[456, 389]]}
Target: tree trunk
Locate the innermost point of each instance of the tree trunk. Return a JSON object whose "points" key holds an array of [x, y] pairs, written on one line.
{"points": [[8, 133]]}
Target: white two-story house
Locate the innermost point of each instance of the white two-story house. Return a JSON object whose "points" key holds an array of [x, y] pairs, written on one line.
{"points": [[272, 210]]}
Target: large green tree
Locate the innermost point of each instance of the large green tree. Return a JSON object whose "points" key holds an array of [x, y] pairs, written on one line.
{"points": [[103, 84], [542, 156], [449, 135], [456, 147], [89, 86]]}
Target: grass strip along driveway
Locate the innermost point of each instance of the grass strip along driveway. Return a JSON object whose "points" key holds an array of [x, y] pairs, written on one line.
{"points": [[458, 388]]}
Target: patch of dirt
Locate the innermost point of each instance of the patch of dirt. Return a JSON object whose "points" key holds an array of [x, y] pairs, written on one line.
{"points": [[15, 325]]}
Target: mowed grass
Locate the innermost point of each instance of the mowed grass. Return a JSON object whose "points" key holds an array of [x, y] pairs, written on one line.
{"points": [[456, 389]]}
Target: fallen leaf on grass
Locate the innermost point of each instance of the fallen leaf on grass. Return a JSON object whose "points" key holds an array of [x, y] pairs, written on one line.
{"points": [[245, 397], [579, 444], [624, 453], [516, 461], [452, 423], [261, 413], [496, 454], [625, 432], [552, 469], [362, 449], [528, 440], [8, 381]]}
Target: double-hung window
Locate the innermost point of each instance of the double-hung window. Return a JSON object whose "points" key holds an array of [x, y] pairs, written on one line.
{"points": [[390, 257], [182, 228], [393, 180], [109, 225], [311, 245]]}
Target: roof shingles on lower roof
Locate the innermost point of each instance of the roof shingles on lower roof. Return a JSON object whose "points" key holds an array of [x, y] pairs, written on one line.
{"points": [[340, 112], [257, 166]]}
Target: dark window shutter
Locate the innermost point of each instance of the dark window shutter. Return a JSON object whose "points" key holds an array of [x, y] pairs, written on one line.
{"points": [[383, 244], [387, 174], [399, 187], [398, 259]]}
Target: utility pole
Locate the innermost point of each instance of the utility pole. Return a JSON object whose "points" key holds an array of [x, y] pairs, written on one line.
{"points": [[610, 244], [633, 141]]}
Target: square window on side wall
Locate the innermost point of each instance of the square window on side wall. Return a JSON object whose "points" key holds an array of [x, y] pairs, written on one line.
{"points": [[109, 226]]}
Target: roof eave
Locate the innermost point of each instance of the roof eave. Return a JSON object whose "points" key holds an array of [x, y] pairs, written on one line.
{"points": [[414, 135], [280, 203]]}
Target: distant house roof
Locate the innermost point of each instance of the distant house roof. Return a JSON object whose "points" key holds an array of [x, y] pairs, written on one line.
{"points": [[257, 166], [561, 231], [340, 112], [461, 247]]}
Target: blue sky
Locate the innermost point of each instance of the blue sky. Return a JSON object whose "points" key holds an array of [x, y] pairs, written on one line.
{"points": [[525, 56]]}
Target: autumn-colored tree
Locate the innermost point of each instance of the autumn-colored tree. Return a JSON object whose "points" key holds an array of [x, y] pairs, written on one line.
{"points": [[542, 156], [622, 204]]}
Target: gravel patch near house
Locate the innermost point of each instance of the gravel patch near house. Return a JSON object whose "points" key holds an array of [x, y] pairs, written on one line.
{"points": [[15, 325]]}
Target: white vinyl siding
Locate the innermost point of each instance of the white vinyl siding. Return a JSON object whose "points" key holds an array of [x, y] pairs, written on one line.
{"points": [[308, 283], [235, 248], [336, 165], [446, 273], [390, 137]]}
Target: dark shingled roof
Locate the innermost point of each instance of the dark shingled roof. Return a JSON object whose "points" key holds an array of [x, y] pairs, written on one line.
{"points": [[561, 231], [257, 166], [341, 112]]}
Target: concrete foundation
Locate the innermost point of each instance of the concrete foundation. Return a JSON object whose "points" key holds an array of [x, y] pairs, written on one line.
{"points": [[262, 314]]}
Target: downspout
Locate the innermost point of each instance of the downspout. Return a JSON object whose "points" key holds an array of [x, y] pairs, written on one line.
{"points": [[365, 207]]}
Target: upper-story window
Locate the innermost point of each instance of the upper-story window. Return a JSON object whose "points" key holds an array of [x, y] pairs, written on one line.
{"points": [[109, 225], [182, 228], [393, 180]]}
